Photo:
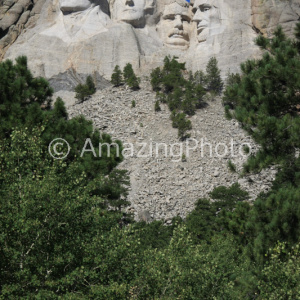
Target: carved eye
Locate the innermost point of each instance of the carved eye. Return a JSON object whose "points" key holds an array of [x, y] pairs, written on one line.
{"points": [[185, 19], [169, 17], [205, 7]]}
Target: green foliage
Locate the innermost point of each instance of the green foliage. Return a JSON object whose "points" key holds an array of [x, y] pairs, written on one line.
{"points": [[232, 83], [185, 271], [116, 77], [228, 114], [231, 166], [280, 277], [266, 98], [228, 212], [200, 78], [275, 217], [172, 74], [63, 234], [48, 219], [179, 121], [157, 106], [91, 85], [83, 91], [20, 92], [133, 103], [130, 78], [213, 78], [156, 77], [55, 122], [297, 35], [180, 94]]}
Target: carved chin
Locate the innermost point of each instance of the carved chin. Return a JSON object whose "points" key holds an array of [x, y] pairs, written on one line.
{"points": [[131, 15], [202, 36]]}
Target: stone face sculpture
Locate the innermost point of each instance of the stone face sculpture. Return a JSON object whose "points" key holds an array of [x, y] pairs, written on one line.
{"points": [[69, 6], [95, 35], [131, 11], [78, 20], [174, 27], [208, 19]]}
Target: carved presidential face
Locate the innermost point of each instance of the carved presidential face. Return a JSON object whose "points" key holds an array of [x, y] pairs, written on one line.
{"points": [[207, 17], [130, 11], [68, 6], [174, 26]]}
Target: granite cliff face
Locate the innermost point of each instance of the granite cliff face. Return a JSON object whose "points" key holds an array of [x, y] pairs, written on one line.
{"points": [[95, 35]]}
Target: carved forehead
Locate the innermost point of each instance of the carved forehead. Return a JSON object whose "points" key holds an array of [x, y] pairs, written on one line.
{"points": [[122, 2], [203, 2], [176, 9]]}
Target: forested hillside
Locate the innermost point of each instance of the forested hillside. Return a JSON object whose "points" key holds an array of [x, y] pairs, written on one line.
{"points": [[64, 233]]}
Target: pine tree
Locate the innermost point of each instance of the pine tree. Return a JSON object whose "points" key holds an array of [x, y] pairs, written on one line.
{"points": [[83, 91], [130, 78], [18, 91], [180, 121], [172, 74], [174, 99], [189, 104], [199, 94], [213, 77], [200, 78], [267, 98], [229, 98], [90, 85], [116, 77]]}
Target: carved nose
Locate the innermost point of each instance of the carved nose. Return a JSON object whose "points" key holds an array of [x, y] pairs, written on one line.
{"points": [[129, 2], [198, 17], [178, 22]]}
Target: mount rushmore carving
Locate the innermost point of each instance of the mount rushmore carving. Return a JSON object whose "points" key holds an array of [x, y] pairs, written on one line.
{"points": [[95, 35]]}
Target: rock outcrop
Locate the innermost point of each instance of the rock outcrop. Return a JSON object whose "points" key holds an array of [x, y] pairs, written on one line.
{"points": [[94, 36], [15, 17], [268, 14]]}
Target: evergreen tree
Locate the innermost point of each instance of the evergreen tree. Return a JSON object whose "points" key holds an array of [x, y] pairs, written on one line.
{"points": [[179, 121], [91, 85], [130, 78], [116, 77], [213, 77], [200, 78], [189, 103], [172, 74], [83, 91], [232, 82], [199, 92], [19, 90], [174, 99], [267, 99]]}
